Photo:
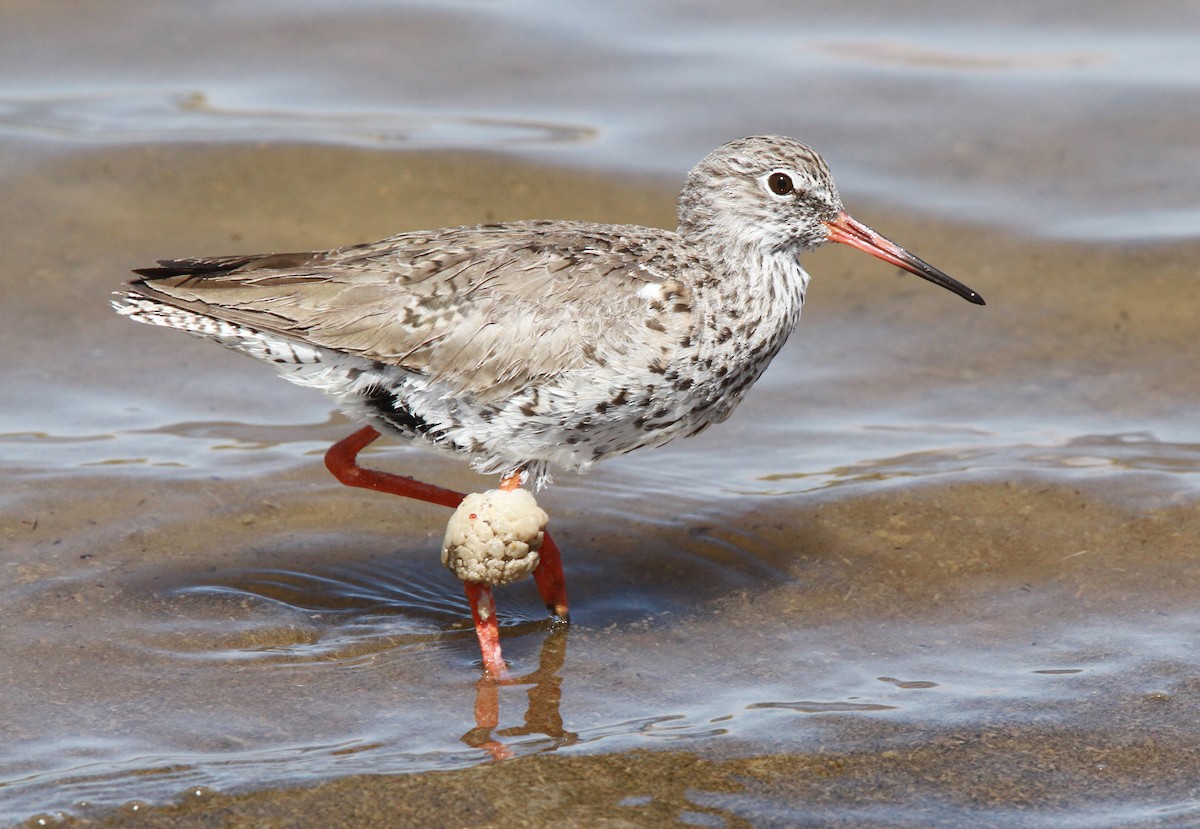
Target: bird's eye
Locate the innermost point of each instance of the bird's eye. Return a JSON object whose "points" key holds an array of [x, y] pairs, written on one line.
{"points": [[781, 184]]}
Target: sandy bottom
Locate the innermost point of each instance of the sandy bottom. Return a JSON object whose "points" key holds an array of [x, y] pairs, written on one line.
{"points": [[940, 569]]}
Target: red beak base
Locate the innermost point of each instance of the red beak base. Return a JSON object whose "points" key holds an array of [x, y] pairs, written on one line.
{"points": [[849, 231]]}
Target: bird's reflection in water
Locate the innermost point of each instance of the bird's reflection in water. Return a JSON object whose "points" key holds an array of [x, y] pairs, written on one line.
{"points": [[542, 716]]}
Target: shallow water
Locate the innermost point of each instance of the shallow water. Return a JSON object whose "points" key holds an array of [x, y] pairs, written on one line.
{"points": [[939, 568]]}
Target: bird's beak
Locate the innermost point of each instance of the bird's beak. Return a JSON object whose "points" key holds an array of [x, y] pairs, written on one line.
{"points": [[849, 231]]}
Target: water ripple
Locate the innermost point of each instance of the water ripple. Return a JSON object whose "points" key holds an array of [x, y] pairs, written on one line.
{"points": [[348, 613], [1096, 454], [147, 115]]}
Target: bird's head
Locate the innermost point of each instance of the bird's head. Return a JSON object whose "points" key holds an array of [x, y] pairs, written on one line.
{"points": [[774, 195]]}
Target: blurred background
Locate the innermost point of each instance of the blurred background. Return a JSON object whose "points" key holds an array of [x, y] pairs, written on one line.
{"points": [[1071, 120]]}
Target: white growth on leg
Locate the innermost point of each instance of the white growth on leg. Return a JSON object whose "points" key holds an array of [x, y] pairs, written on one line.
{"points": [[493, 537]]}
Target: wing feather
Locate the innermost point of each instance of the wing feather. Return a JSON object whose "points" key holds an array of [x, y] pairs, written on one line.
{"points": [[492, 306]]}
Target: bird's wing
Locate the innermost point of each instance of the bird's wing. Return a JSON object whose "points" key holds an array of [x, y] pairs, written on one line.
{"points": [[492, 306]]}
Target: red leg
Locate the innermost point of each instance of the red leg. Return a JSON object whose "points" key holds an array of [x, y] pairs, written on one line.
{"points": [[548, 575], [342, 461], [551, 583], [483, 611]]}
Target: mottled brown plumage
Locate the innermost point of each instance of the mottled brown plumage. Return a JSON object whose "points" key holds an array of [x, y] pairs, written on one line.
{"points": [[530, 344]]}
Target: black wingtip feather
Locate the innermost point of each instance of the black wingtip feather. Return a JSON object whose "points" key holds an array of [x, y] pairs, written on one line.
{"points": [[225, 264]]}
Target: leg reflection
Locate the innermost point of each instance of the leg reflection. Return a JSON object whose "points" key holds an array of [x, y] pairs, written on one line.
{"points": [[543, 714]]}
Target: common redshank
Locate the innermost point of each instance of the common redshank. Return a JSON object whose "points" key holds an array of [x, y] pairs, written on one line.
{"points": [[526, 345]]}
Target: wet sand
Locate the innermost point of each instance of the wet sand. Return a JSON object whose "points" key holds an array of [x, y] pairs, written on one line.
{"points": [[940, 568]]}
